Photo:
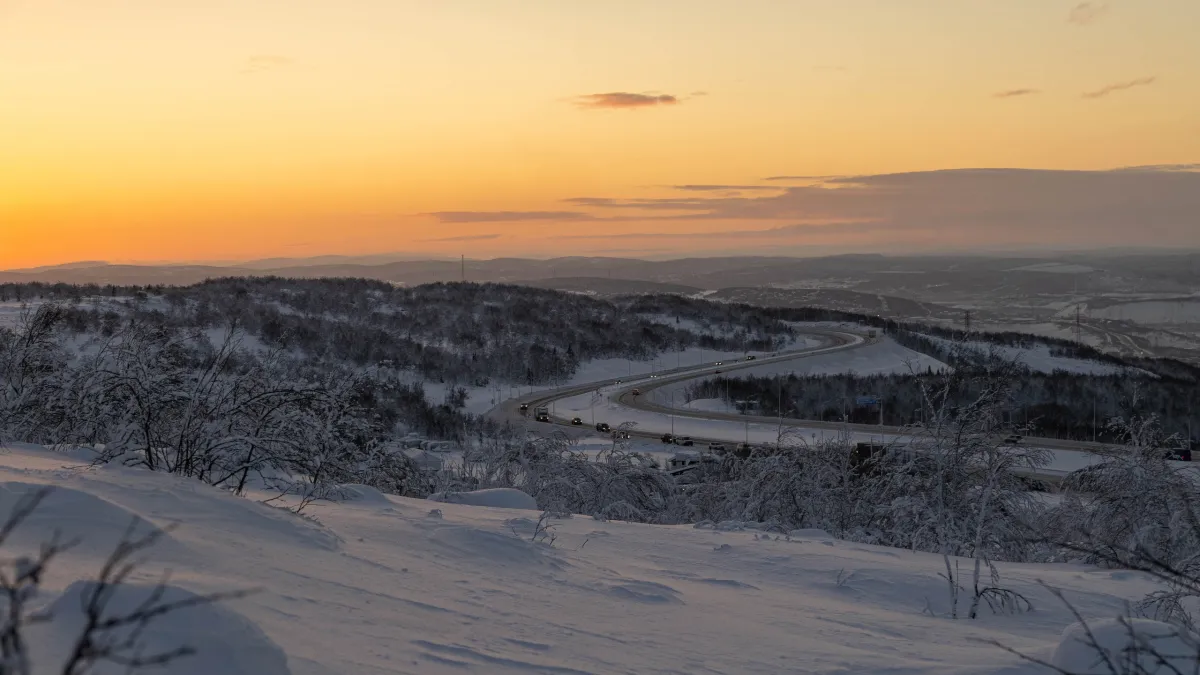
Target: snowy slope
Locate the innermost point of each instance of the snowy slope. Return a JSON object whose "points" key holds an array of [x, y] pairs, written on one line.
{"points": [[387, 585]]}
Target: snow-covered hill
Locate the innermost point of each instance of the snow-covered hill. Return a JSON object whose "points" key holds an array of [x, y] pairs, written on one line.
{"points": [[389, 585]]}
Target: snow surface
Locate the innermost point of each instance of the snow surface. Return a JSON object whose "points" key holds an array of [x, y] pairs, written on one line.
{"points": [[1039, 359], [1182, 311], [497, 498], [393, 587]]}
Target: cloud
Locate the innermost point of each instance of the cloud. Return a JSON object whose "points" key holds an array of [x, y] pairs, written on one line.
{"points": [[504, 216], [783, 230], [1120, 86], [1013, 93], [623, 99], [265, 62], [799, 178], [468, 237], [962, 207], [720, 188], [1087, 13]]}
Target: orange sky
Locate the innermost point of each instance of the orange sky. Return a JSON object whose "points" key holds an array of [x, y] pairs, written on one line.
{"points": [[138, 130]]}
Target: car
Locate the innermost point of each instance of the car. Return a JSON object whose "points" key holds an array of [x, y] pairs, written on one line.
{"points": [[1179, 454], [684, 441], [751, 358], [603, 426], [524, 408], [717, 371], [743, 450], [719, 363], [636, 391], [718, 448], [576, 421], [1012, 440], [668, 438], [618, 382], [621, 434]]}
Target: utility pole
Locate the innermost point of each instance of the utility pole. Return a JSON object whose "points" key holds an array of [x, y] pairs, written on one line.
{"points": [[1078, 324], [967, 321], [463, 267]]}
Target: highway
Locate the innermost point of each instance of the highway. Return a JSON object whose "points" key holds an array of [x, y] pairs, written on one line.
{"points": [[621, 393]]}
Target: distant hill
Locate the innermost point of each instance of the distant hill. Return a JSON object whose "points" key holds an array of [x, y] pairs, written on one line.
{"points": [[610, 287]]}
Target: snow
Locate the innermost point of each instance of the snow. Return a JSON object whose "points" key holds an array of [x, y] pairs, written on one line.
{"points": [[1181, 311], [497, 498], [1039, 359], [1076, 652], [884, 357], [708, 405], [225, 641], [381, 588]]}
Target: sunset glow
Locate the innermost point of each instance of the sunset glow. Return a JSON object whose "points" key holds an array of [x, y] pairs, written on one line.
{"points": [[152, 130]]}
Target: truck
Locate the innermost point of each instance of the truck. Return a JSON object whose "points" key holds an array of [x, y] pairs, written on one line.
{"points": [[542, 414]]}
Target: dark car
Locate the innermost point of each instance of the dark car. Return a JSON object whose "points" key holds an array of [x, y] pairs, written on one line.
{"points": [[668, 438], [717, 371], [1179, 454], [637, 392], [603, 426], [576, 421], [621, 435], [751, 357], [1012, 440]]}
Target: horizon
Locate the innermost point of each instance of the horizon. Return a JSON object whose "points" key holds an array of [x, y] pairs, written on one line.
{"points": [[151, 133]]}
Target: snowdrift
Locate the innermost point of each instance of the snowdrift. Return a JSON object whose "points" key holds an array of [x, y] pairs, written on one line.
{"points": [[475, 589]]}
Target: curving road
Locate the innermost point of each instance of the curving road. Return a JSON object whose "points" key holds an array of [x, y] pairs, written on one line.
{"points": [[511, 410], [834, 341]]}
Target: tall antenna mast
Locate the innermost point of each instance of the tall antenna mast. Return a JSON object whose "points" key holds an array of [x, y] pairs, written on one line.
{"points": [[464, 267], [1078, 324]]}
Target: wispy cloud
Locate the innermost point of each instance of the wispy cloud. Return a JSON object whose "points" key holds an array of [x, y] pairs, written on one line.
{"points": [[724, 188], [504, 216], [799, 178], [468, 237], [1013, 93], [1120, 86], [265, 62], [967, 207], [1087, 13], [625, 100]]}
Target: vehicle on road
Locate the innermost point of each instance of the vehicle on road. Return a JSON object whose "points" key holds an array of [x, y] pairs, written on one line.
{"points": [[576, 421], [524, 408], [743, 450], [717, 371], [668, 438], [542, 414], [1012, 440], [685, 441], [636, 391], [717, 448], [719, 363], [620, 435], [603, 427], [751, 358]]}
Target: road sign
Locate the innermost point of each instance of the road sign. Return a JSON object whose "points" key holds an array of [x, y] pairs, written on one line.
{"points": [[867, 400]]}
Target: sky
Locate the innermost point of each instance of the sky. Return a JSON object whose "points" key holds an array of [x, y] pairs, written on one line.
{"points": [[223, 130]]}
